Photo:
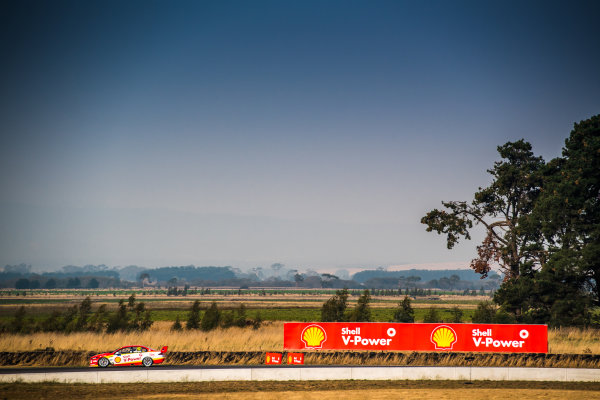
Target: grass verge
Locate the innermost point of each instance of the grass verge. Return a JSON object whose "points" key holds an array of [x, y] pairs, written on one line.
{"points": [[372, 389]]}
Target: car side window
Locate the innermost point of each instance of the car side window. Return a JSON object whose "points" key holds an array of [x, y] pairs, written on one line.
{"points": [[125, 350]]}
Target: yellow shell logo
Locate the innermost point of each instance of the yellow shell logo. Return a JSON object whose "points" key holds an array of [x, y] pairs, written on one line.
{"points": [[313, 336], [443, 337], [118, 359]]}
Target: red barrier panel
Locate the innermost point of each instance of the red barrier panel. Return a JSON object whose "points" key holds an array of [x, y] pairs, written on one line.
{"points": [[295, 358], [415, 337], [273, 358]]}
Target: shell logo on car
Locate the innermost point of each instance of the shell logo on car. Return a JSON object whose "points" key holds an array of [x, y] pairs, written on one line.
{"points": [[443, 337], [313, 337], [129, 355]]}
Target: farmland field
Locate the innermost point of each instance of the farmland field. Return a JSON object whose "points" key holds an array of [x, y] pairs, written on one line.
{"points": [[274, 305], [273, 308]]}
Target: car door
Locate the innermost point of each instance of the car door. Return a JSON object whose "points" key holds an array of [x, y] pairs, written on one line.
{"points": [[136, 354], [122, 355]]}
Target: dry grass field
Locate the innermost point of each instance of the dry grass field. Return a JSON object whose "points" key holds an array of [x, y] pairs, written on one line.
{"points": [[268, 337], [433, 390], [247, 345]]}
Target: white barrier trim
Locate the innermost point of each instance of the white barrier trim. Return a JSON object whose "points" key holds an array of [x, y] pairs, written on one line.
{"points": [[308, 374]]}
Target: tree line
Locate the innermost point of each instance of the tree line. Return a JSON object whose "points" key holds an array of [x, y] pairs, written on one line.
{"points": [[335, 309], [130, 316], [214, 318]]}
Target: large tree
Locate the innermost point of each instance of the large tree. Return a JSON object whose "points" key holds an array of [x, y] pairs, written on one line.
{"points": [[542, 224], [501, 209], [568, 209]]}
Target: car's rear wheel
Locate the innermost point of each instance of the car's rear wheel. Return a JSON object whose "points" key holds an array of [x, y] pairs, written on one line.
{"points": [[147, 361], [103, 362]]}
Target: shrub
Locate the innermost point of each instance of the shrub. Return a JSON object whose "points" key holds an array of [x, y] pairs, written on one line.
{"points": [[432, 316], [504, 317], [485, 313], [457, 314], [362, 312], [257, 321], [404, 312], [240, 318], [177, 325], [211, 318], [98, 320], [120, 320], [226, 319], [333, 310], [193, 321]]}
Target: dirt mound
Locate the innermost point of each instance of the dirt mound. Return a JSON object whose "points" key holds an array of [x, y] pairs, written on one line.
{"points": [[81, 358]]}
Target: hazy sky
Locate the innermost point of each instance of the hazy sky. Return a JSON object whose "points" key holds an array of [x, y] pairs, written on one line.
{"points": [[244, 133]]}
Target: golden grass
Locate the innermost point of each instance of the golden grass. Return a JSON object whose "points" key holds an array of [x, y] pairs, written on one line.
{"points": [[574, 341], [267, 337]]}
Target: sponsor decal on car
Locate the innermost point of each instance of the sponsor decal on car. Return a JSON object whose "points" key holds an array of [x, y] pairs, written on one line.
{"points": [[129, 355]]}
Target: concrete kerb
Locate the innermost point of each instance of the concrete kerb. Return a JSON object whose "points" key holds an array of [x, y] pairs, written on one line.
{"points": [[309, 374], [325, 373], [538, 374], [276, 374], [582, 375]]}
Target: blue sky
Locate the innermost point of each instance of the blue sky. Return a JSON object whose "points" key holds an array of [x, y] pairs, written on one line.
{"points": [[241, 133]]}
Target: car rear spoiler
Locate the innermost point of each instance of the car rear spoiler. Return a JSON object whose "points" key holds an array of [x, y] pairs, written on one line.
{"points": [[163, 350]]}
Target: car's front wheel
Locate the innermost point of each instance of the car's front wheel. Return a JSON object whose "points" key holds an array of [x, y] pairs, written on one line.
{"points": [[147, 361], [103, 362]]}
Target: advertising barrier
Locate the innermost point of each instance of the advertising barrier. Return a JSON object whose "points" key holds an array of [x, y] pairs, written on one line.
{"points": [[273, 358], [295, 358], [501, 338]]}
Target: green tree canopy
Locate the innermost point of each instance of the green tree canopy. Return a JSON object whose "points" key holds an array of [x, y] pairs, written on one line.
{"points": [[569, 208], [499, 208], [193, 321], [404, 312], [333, 310], [362, 311], [542, 223], [211, 318]]}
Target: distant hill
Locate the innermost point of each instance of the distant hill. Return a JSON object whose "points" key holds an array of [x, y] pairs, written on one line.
{"points": [[424, 274], [191, 274]]}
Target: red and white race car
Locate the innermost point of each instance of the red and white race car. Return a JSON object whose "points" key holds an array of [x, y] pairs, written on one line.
{"points": [[129, 355]]}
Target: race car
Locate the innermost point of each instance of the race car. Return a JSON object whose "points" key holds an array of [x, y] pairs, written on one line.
{"points": [[129, 355]]}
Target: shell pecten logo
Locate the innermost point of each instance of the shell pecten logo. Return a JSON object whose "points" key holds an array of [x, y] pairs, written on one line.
{"points": [[443, 337], [313, 337]]}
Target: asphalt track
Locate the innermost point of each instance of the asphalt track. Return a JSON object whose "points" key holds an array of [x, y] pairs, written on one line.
{"points": [[170, 373]]}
